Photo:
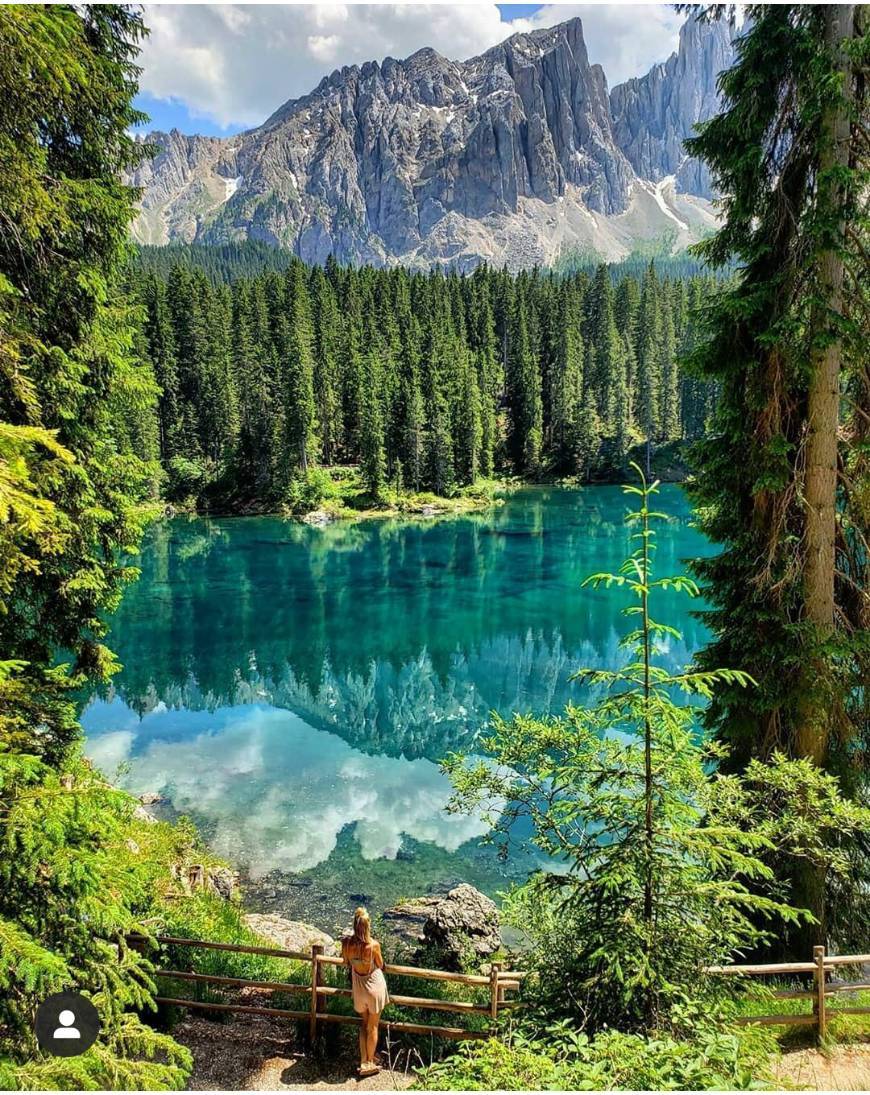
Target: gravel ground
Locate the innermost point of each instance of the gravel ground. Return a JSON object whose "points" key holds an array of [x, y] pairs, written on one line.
{"points": [[843, 1068], [263, 1053]]}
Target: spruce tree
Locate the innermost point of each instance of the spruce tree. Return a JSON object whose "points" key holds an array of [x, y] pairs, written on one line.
{"points": [[373, 461], [524, 393], [70, 496], [567, 387], [669, 399], [300, 411], [327, 392], [776, 482], [647, 347], [469, 433]]}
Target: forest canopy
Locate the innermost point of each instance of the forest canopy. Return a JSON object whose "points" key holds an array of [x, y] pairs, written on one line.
{"points": [[432, 380]]}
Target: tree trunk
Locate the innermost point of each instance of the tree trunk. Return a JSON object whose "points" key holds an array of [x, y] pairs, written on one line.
{"points": [[813, 729], [823, 405]]}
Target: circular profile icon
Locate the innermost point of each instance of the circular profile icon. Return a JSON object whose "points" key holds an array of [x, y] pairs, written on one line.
{"points": [[66, 1024]]}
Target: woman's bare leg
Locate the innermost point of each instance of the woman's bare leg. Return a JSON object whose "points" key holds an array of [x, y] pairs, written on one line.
{"points": [[363, 1039], [372, 1031]]}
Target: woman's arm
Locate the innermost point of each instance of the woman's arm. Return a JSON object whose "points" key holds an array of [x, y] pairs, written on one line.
{"points": [[377, 956]]}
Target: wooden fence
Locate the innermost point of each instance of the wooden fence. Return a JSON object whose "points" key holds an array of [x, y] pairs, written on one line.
{"points": [[498, 983], [823, 989]]}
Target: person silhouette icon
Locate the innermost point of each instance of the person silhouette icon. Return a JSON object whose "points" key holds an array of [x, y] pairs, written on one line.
{"points": [[66, 1028], [66, 1024]]}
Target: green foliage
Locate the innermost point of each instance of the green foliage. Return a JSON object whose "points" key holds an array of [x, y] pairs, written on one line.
{"points": [[660, 869], [710, 1056], [793, 219], [762, 332], [450, 376], [76, 448], [207, 916], [309, 491], [74, 882]]}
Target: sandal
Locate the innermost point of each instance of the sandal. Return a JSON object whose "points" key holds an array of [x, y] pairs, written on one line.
{"points": [[370, 1068]]}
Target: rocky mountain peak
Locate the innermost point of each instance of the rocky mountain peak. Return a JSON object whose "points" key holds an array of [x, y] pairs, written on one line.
{"points": [[653, 114], [514, 155]]}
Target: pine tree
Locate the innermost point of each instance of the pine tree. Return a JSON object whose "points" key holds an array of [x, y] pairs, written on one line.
{"points": [[669, 399], [300, 412], [567, 387], [647, 347], [70, 496], [439, 448], [157, 327], [469, 433], [327, 392], [373, 461], [524, 394], [776, 481], [604, 335]]}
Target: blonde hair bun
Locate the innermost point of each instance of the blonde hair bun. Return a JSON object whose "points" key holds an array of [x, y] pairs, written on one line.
{"points": [[362, 926]]}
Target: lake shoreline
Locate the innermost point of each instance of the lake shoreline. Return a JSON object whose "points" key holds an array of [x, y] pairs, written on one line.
{"points": [[345, 501], [294, 690]]}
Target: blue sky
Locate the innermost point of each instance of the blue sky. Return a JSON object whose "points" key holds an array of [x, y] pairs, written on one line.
{"points": [[217, 70]]}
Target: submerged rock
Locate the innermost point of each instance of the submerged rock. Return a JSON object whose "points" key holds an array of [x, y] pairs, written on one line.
{"points": [[459, 926], [318, 517], [290, 935], [151, 798]]}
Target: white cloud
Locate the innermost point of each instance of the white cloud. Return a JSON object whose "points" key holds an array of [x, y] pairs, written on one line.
{"points": [[625, 39], [236, 64], [275, 793]]}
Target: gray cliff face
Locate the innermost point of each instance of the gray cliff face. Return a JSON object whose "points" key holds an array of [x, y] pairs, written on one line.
{"points": [[511, 156], [653, 114]]}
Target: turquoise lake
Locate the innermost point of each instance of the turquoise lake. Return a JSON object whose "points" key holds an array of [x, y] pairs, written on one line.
{"points": [[292, 689]]}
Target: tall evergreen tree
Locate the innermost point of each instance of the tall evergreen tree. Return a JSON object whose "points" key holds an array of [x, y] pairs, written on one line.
{"points": [[524, 393], [373, 461], [70, 499], [777, 480], [567, 387], [327, 393], [647, 346], [669, 399], [469, 433], [300, 411]]}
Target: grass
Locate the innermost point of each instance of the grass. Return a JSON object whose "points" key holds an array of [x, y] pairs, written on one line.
{"points": [[339, 493], [841, 1029]]}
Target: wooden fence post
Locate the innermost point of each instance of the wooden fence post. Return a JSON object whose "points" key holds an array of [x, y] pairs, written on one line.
{"points": [[493, 989], [820, 1003], [316, 951]]}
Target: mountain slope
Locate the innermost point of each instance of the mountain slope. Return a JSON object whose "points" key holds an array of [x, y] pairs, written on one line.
{"points": [[653, 114], [513, 156]]}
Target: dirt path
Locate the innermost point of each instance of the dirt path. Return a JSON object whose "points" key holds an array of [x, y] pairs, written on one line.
{"points": [[260, 1053], [843, 1068]]}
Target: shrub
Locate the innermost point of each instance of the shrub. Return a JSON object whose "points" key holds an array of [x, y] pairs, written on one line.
{"points": [[309, 491], [561, 1059]]}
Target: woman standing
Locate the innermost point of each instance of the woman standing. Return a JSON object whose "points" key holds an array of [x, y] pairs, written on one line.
{"points": [[363, 955]]}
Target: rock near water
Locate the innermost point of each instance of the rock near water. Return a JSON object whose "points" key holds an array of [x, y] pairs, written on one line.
{"points": [[516, 156], [457, 926], [291, 935]]}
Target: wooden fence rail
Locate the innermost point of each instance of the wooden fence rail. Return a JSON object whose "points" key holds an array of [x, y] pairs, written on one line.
{"points": [[498, 982], [823, 989]]}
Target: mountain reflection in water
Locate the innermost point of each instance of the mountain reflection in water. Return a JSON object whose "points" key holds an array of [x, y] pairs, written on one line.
{"points": [[287, 686]]}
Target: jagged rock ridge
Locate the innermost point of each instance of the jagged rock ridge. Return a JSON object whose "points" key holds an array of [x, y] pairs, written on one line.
{"points": [[653, 114], [514, 156]]}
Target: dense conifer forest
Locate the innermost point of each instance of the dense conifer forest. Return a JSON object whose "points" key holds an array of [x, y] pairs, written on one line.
{"points": [[692, 837], [427, 381]]}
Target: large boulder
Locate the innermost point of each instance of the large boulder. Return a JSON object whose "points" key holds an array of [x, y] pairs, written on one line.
{"points": [[453, 929], [290, 935]]}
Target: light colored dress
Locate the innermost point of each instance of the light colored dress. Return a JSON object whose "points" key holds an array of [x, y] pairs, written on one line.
{"points": [[369, 984]]}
